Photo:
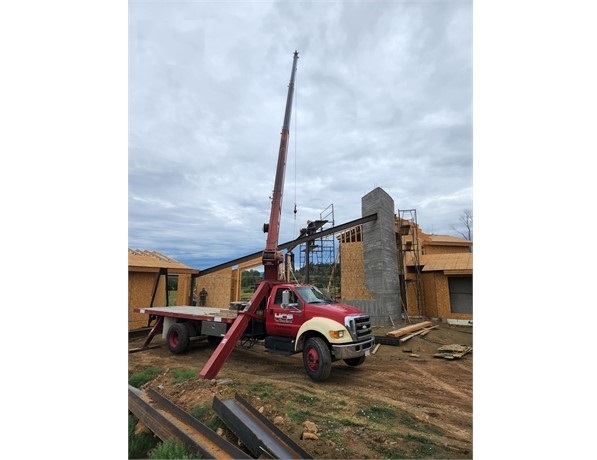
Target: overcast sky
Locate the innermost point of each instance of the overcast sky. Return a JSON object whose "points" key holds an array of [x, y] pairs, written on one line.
{"points": [[383, 98]]}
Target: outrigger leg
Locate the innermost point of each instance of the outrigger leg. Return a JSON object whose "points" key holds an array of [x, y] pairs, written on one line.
{"points": [[221, 353], [156, 329]]}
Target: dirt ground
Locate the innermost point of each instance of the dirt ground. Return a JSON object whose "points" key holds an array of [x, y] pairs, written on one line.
{"points": [[400, 403]]}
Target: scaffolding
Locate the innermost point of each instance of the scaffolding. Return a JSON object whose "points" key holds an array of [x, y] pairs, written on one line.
{"points": [[321, 251], [409, 252]]}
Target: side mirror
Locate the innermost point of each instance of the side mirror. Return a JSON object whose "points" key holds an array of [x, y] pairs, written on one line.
{"points": [[285, 299]]}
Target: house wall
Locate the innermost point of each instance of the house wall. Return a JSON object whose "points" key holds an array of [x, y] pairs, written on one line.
{"points": [[428, 285], [218, 286], [352, 272], [140, 290], [436, 297], [440, 249], [436, 294], [183, 295]]}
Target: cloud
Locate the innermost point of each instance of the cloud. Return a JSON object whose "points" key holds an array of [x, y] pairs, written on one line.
{"points": [[383, 97]]}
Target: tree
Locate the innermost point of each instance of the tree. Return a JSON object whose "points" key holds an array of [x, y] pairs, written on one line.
{"points": [[249, 279], [466, 219]]}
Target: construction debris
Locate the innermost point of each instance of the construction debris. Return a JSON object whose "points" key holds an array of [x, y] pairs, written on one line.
{"points": [[421, 333], [409, 329], [408, 332], [452, 351]]}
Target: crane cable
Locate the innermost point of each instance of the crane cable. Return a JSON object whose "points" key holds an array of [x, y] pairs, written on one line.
{"points": [[295, 150]]}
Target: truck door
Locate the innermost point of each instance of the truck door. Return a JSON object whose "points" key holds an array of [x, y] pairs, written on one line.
{"points": [[284, 320]]}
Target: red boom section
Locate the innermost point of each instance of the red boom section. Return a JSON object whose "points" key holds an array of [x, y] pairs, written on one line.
{"points": [[221, 353], [271, 259]]}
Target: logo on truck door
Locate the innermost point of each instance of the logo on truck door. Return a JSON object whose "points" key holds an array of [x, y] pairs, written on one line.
{"points": [[283, 317]]}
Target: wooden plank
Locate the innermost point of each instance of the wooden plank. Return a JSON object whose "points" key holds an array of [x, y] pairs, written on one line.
{"points": [[426, 331], [406, 337], [421, 332], [409, 329]]}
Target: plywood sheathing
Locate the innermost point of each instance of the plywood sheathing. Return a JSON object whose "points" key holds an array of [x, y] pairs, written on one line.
{"points": [[409, 329], [144, 267], [352, 272], [140, 290], [152, 261], [218, 286], [448, 262], [442, 244]]}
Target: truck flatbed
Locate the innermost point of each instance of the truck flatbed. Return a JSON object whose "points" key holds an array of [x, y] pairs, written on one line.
{"points": [[223, 315]]}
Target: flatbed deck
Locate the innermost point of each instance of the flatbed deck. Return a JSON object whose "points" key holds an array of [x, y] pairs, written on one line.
{"points": [[223, 315]]}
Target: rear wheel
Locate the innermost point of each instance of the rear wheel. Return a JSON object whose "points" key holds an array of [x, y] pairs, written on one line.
{"points": [[355, 361], [178, 338], [317, 359]]}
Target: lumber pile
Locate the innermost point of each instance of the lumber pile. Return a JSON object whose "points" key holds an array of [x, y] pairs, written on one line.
{"points": [[408, 332], [452, 351]]}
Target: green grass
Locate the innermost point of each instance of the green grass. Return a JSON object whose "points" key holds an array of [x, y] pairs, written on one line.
{"points": [[300, 415], [139, 445], [205, 414], [305, 399], [425, 447], [201, 411], [171, 450], [391, 452], [180, 375], [414, 424], [263, 390], [147, 375], [377, 413]]}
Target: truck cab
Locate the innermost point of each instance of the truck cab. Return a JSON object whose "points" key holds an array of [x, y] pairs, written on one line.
{"points": [[300, 318]]}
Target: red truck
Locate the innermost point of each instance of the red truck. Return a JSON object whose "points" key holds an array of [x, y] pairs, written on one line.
{"points": [[290, 318], [294, 318]]}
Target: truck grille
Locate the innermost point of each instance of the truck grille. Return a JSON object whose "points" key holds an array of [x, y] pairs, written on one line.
{"points": [[359, 327]]}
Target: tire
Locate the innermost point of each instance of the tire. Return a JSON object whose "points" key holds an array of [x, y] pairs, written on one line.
{"points": [[317, 359], [355, 361], [178, 338]]}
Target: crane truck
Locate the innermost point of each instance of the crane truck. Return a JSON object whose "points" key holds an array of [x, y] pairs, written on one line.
{"points": [[288, 317]]}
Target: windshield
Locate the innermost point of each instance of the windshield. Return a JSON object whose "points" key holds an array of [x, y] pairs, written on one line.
{"points": [[312, 295]]}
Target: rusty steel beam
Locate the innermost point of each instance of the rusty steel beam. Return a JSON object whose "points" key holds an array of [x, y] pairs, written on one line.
{"points": [[256, 432], [169, 421]]}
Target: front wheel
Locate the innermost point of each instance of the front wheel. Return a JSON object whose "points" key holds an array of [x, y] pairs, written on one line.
{"points": [[178, 338], [317, 359]]}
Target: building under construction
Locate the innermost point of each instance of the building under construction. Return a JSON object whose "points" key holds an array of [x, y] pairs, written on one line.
{"points": [[386, 266]]}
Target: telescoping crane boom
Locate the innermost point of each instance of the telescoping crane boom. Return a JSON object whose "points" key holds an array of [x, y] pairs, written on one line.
{"points": [[271, 258]]}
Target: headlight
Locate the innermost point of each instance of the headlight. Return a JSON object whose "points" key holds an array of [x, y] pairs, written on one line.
{"points": [[336, 334]]}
